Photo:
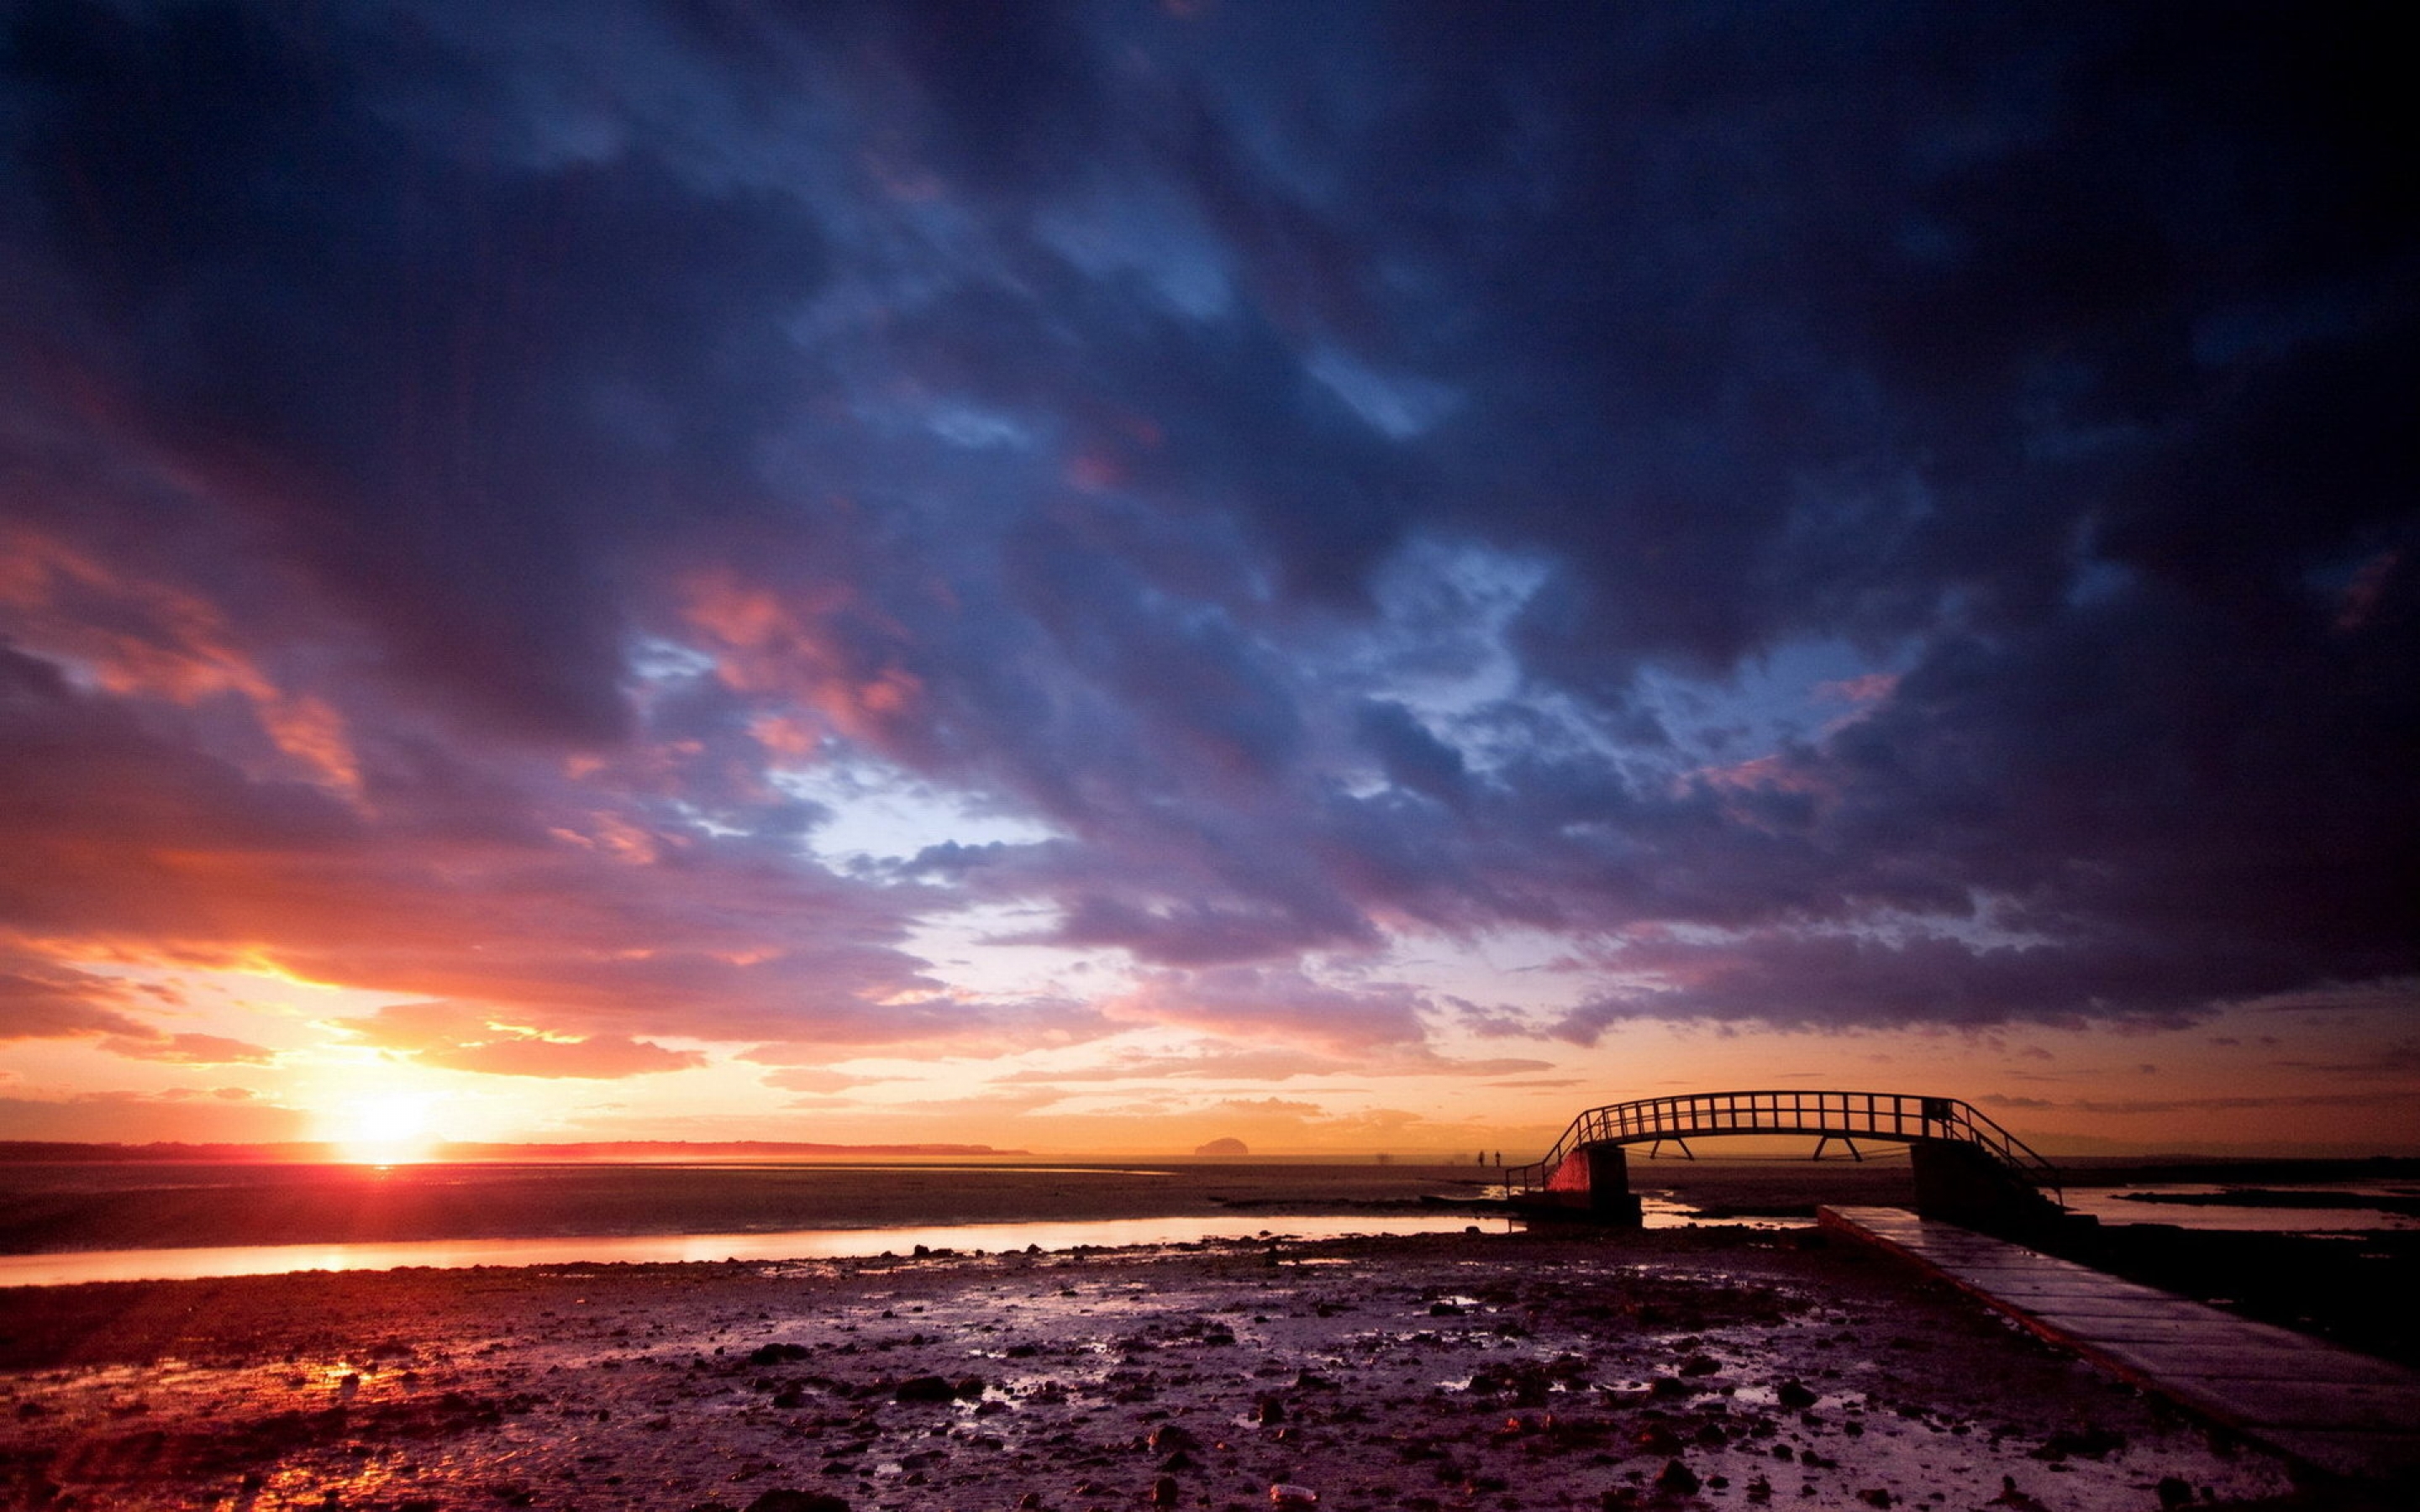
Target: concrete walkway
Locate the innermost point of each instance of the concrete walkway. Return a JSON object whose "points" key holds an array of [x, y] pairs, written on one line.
{"points": [[2340, 1412]]}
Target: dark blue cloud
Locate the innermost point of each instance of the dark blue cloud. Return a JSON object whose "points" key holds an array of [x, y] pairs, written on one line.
{"points": [[1089, 409]]}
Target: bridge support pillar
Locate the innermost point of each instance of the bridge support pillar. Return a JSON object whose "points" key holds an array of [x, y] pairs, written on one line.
{"points": [[1594, 1179], [1959, 1183]]}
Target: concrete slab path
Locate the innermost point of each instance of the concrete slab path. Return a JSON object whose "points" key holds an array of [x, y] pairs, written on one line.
{"points": [[2332, 1407]]}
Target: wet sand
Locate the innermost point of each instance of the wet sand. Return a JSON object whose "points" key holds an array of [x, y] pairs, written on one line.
{"points": [[1719, 1366]]}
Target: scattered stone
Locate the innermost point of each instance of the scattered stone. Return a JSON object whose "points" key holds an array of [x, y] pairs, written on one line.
{"points": [[1165, 1492], [1677, 1479], [1170, 1438], [1658, 1438], [2011, 1497], [2175, 1490], [791, 1500], [1287, 1494], [1794, 1395], [1700, 1364], [776, 1354], [2084, 1444], [925, 1389]]}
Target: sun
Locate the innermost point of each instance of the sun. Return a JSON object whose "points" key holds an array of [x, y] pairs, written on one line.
{"points": [[389, 1129]]}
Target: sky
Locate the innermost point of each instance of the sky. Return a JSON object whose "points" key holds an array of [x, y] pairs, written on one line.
{"points": [[1093, 577]]}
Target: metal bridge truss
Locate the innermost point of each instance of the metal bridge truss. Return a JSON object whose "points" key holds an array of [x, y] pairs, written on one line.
{"points": [[1844, 1117]]}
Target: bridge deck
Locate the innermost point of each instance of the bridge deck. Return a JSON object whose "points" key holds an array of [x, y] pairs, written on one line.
{"points": [[2342, 1411]]}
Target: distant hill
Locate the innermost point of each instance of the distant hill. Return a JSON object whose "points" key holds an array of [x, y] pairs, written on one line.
{"points": [[1224, 1147], [24, 1151]]}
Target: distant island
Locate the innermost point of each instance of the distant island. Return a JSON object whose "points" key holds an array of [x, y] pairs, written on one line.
{"points": [[26, 1151]]}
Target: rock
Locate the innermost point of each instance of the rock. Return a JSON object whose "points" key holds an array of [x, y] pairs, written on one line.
{"points": [[1169, 1438], [1875, 1496], [970, 1389], [1676, 1479], [2174, 1490], [2011, 1497], [925, 1389], [1700, 1364], [2088, 1443], [1165, 1492], [1269, 1411], [776, 1354], [1794, 1395], [789, 1500], [1286, 1494], [1657, 1438]]}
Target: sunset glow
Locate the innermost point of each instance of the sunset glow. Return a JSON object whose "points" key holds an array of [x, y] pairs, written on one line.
{"points": [[386, 1129], [1100, 579]]}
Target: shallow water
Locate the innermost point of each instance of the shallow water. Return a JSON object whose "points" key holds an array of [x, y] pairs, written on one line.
{"points": [[659, 1249], [2111, 1205], [193, 1263]]}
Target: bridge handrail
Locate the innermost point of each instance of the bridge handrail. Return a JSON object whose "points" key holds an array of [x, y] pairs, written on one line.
{"points": [[1895, 1116]]}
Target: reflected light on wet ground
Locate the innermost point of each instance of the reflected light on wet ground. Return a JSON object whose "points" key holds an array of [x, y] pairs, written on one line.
{"points": [[657, 1249]]}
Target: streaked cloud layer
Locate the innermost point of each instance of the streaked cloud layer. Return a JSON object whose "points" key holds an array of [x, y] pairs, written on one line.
{"points": [[1191, 547]]}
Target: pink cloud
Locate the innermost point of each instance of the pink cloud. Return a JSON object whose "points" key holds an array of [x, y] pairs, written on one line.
{"points": [[52, 1002], [1869, 688], [140, 1118], [1262, 1005]]}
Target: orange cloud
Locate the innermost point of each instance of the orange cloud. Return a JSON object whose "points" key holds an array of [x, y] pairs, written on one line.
{"points": [[459, 1038]]}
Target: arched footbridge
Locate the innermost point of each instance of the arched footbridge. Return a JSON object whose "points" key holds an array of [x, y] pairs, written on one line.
{"points": [[1967, 1167]]}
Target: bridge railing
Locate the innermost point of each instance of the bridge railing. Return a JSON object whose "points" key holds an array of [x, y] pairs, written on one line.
{"points": [[1892, 1116]]}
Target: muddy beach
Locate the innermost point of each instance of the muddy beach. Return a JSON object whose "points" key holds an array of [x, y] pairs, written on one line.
{"points": [[1716, 1367]]}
